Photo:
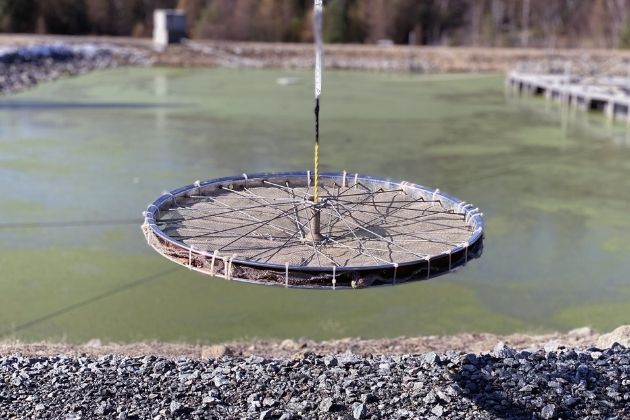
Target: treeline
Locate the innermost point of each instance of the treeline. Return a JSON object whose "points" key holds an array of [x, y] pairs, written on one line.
{"points": [[501, 23]]}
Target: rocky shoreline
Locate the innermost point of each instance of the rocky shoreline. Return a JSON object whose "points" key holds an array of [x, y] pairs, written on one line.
{"points": [[473, 343], [591, 383], [578, 375], [22, 67], [26, 60]]}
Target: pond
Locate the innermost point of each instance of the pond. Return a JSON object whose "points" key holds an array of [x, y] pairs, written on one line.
{"points": [[81, 158]]}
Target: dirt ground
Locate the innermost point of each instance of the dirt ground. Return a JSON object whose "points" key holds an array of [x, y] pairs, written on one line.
{"points": [[475, 343]]}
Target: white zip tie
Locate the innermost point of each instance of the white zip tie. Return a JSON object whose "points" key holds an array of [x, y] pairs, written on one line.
{"points": [[478, 214], [334, 279], [148, 234], [466, 252], [403, 187], [343, 182], [395, 271], [437, 191], [356, 180], [156, 208], [214, 257], [286, 274], [230, 267], [470, 213], [473, 213], [449, 259], [464, 207], [428, 268], [171, 195], [245, 176], [308, 178], [198, 185], [226, 269], [190, 258]]}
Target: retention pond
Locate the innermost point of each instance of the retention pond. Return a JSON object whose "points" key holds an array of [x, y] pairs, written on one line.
{"points": [[81, 158]]}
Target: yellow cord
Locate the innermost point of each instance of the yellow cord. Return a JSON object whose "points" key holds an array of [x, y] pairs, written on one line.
{"points": [[316, 173]]}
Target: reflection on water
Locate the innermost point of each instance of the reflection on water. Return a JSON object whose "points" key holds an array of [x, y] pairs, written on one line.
{"points": [[552, 183], [593, 123], [34, 105]]}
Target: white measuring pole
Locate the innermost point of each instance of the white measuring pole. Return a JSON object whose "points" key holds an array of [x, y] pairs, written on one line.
{"points": [[317, 31]]}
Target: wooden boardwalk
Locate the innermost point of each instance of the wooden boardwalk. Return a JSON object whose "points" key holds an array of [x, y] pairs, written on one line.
{"points": [[608, 94]]}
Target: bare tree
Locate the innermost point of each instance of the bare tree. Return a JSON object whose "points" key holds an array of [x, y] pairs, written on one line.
{"points": [[525, 24], [618, 17], [597, 25], [379, 17], [536, 23], [476, 11], [497, 12]]}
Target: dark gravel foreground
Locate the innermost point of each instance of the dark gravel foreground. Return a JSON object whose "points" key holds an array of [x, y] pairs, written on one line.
{"points": [[567, 383]]}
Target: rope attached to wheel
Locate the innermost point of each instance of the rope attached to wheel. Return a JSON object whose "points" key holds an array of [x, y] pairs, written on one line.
{"points": [[317, 30], [276, 229]]}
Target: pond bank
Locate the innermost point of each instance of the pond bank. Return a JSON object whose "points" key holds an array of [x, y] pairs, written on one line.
{"points": [[547, 384], [214, 53], [22, 67], [475, 343], [26, 60]]}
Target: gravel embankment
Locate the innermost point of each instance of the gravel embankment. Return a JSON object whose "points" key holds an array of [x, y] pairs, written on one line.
{"points": [[213, 53], [472, 343], [590, 383], [22, 67]]}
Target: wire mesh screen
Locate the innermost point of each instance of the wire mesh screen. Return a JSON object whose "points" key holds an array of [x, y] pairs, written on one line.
{"points": [[259, 228]]}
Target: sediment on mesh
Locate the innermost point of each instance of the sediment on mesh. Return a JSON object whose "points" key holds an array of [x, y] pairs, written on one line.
{"points": [[356, 279], [258, 229], [268, 224]]}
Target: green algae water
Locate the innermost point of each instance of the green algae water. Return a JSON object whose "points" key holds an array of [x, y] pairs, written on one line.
{"points": [[554, 187]]}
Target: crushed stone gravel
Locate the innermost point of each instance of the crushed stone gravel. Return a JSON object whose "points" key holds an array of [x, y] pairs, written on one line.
{"points": [[506, 383]]}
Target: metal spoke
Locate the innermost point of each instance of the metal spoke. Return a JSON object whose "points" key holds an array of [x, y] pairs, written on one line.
{"points": [[366, 223]]}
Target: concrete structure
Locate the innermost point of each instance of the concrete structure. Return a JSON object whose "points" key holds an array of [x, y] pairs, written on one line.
{"points": [[169, 27], [608, 94]]}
